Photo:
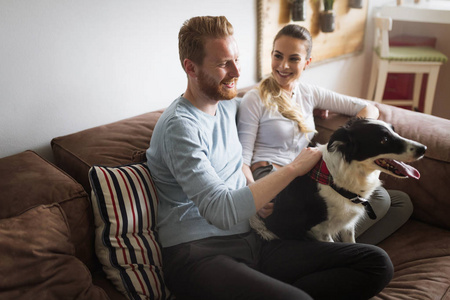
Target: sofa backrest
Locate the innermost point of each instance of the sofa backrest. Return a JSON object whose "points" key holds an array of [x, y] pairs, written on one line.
{"points": [[119, 143], [125, 142]]}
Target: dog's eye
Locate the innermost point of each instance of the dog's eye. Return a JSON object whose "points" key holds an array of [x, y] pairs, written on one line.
{"points": [[384, 140]]}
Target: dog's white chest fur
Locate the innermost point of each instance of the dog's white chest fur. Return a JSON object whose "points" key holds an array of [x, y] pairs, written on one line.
{"points": [[343, 216]]}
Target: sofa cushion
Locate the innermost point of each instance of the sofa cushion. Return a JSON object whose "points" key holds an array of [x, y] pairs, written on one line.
{"points": [[28, 180], [125, 208], [421, 257], [37, 258], [108, 145]]}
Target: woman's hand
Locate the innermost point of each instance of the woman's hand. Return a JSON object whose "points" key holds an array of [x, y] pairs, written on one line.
{"points": [[248, 173], [370, 111], [321, 113]]}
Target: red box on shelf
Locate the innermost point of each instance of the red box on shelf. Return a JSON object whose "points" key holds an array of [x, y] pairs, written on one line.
{"points": [[399, 86]]}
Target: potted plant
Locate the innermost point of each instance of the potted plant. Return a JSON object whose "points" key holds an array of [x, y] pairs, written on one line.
{"points": [[355, 3], [298, 10], [327, 16]]}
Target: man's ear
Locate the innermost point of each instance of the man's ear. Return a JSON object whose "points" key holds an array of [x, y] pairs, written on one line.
{"points": [[190, 67]]}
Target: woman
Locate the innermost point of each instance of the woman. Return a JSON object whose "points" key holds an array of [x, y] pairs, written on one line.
{"points": [[276, 122]]}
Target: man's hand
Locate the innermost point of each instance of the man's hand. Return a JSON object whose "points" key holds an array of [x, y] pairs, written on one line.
{"points": [[306, 160], [266, 210], [267, 188]]}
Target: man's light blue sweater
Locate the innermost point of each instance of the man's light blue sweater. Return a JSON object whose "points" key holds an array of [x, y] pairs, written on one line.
{"points": [[195, 160]]}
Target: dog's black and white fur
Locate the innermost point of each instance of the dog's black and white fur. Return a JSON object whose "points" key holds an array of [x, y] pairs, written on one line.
{"points": [[355, 155]]}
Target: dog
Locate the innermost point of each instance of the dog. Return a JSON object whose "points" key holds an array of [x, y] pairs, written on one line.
{"points": [[332, 198]]}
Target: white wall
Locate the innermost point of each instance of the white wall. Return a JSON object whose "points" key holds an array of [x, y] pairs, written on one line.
{"points": [[349, 75], [71, 65]]}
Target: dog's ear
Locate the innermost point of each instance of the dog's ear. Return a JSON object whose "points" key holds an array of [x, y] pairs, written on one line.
{"points": [[341, 141]]}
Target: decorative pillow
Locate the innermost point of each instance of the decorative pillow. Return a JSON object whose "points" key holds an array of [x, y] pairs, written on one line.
{"points": [[125, 207], [37, 258]]}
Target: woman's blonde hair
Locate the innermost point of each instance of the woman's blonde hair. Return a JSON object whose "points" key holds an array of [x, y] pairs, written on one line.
{"points": [[273, 96]]}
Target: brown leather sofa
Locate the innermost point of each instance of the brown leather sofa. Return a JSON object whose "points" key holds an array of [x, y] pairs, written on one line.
{"points": [[420, 250], [46, 234]]}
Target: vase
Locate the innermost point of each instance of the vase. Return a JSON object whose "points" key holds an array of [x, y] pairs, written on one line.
{"points": [[327, 21], [355, 3], [299, 10]]}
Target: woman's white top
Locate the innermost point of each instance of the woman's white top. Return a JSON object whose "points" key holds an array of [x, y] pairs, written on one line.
{"points": [[266, 135]]}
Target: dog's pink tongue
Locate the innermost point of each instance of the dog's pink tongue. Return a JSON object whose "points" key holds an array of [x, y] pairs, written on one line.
{"points": [[406, 169]]}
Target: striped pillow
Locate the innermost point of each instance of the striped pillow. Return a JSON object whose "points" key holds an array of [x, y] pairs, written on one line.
{"points": [[125, 207]]}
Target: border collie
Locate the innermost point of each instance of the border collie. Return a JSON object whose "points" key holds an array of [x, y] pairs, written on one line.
{"points": [[331, 199]]}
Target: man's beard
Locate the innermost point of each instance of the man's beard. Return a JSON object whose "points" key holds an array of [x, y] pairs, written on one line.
{"points": [[216, 91]]}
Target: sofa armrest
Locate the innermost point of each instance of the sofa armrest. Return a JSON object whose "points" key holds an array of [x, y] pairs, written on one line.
{"points": [[430, 193], [29, 180]]}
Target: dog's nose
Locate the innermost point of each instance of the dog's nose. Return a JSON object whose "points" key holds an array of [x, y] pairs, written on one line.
{"points": [[420, 150]]}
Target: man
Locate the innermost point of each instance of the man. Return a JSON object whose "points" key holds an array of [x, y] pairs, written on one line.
{"points": [[209, 251]]}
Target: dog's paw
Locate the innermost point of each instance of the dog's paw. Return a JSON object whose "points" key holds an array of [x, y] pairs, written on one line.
{"points": [[348, 235], [319, 235]]}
